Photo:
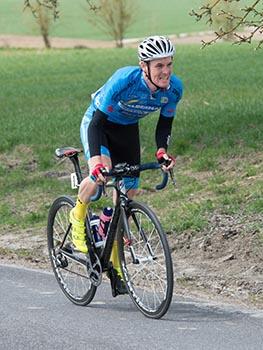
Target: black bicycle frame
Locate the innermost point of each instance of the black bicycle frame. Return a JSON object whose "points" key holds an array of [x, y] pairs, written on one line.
{"points": [[118, 214]]}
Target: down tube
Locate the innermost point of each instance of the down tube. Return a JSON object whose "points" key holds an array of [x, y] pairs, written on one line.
{"points": [[110, 238]]}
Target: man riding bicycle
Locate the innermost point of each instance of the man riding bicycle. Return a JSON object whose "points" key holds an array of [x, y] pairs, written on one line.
{"points": [[110, 132]]}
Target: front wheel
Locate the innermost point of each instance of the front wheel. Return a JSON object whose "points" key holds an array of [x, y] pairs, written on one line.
{"points": [[70, 271], [146, 261]]}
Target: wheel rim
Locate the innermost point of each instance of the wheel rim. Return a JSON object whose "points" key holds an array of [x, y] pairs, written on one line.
{"points": [[71, 274], [147, 278]]}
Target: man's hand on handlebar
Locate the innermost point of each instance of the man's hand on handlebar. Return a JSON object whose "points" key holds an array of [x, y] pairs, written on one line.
{"points": [[166, 161], [97, 173]]}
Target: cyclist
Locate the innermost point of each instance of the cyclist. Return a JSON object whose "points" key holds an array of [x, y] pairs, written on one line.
{"points": [[110, 133]]}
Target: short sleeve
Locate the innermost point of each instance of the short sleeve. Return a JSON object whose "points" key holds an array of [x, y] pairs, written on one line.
{"points": [[175, 95], [111, 92]]}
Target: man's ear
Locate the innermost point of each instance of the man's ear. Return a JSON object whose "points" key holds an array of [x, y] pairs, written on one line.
{"points": [[143, 65]]}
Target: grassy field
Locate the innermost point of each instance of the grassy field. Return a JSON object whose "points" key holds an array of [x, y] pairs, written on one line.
{"points": [[217, 135], [167, 17]]}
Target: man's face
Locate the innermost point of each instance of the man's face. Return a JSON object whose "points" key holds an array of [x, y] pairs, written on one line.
{"points": [[160, 71]]}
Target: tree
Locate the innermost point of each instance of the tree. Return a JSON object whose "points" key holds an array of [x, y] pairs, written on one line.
{"points": [[113, 17], [52, 5], [250, 16], [224, 22], [42, 11]]}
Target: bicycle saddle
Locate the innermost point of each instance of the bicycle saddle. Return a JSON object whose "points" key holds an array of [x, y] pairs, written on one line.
{"points": [[67, 152]]}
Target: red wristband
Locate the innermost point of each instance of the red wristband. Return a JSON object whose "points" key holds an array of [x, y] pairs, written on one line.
{"points": [[97, 170], [160, 157], [159, 154]]}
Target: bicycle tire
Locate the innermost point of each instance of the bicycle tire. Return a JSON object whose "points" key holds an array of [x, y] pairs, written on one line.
{"points": [[149, 279], [70, 274]]}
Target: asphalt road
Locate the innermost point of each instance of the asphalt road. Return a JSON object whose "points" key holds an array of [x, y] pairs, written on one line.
{"points": [[35, 314]]}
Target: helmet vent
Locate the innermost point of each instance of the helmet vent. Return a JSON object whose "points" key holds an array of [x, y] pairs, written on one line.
{"points": [[155, 47]]}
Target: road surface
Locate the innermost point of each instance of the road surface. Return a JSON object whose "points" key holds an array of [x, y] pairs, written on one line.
{"points": [[35, 314]]}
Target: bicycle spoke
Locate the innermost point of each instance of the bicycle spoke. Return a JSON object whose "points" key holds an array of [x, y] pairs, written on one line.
{"points": [[71, 274], [148, 277]]}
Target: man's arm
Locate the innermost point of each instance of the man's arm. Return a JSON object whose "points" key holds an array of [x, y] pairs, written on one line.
{"points": [[163, 132], [95, 131], [162, 136]]}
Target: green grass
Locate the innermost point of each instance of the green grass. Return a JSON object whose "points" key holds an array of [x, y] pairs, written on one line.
{"points": [[73, 23], [217, 134]]}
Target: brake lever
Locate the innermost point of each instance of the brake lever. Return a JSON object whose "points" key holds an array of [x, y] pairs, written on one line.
{"points": [[105, 194], [166, 163], [171, 172], [172, 177]]}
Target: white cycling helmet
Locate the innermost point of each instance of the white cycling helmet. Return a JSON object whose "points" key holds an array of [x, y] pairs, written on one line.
{"points": [[155, 47]]}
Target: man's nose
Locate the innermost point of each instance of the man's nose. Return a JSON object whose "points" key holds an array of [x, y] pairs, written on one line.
{"points": [[166, 70]]}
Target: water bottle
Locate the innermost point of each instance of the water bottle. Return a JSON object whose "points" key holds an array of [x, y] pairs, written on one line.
{"points": [[94, 225], [105, 219]]}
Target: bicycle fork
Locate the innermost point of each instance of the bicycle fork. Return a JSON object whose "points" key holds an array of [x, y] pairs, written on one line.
{"points": [[128, 239]]}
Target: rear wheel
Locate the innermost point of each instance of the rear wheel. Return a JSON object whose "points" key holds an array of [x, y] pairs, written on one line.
{"points": [[146, 261], [70, 270]]}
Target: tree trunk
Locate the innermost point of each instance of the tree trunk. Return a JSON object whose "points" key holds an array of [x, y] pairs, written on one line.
{"points": [[119, 43], [46, 41]]}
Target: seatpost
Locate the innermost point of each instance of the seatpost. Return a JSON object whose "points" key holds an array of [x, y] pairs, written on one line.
{"points": [[75, 160]]}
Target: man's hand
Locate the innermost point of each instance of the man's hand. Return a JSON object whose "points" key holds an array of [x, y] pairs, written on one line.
{"points": [[165, 160], [97, 173]]}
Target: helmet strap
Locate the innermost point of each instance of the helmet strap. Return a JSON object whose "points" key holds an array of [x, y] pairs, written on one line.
{"points": [[148, 75]]}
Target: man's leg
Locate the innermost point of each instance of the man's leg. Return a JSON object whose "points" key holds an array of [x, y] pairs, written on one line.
{"points": [[119, 286], [77, 215]]}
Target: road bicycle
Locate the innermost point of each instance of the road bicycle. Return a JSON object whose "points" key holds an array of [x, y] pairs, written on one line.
{"points": [[143, 249]]}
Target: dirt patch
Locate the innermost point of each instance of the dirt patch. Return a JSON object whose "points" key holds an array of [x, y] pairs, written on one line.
{"points": [[36, 42], [25, 247], [21, 157], [226, 260], [19, 41]]}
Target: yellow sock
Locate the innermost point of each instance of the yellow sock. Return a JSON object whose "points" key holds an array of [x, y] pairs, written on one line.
{"points": [[114, 258], [80, 210]]}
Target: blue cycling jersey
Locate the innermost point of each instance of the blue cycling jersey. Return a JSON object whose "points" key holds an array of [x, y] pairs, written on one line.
{"points": [[126, 97]]}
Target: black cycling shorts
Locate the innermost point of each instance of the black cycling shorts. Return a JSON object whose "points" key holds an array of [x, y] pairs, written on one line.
{"points": [[122, 141]]}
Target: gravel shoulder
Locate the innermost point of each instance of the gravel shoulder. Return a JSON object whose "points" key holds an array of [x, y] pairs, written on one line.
{"points": [[36, 42], [222, 264], [17, 41]]}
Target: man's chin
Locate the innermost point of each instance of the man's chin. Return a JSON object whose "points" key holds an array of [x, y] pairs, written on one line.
{"points": [[163, 84]]}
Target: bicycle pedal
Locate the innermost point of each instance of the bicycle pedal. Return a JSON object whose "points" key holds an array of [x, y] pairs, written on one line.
{"points": [[117, 284], [61, 261]]}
